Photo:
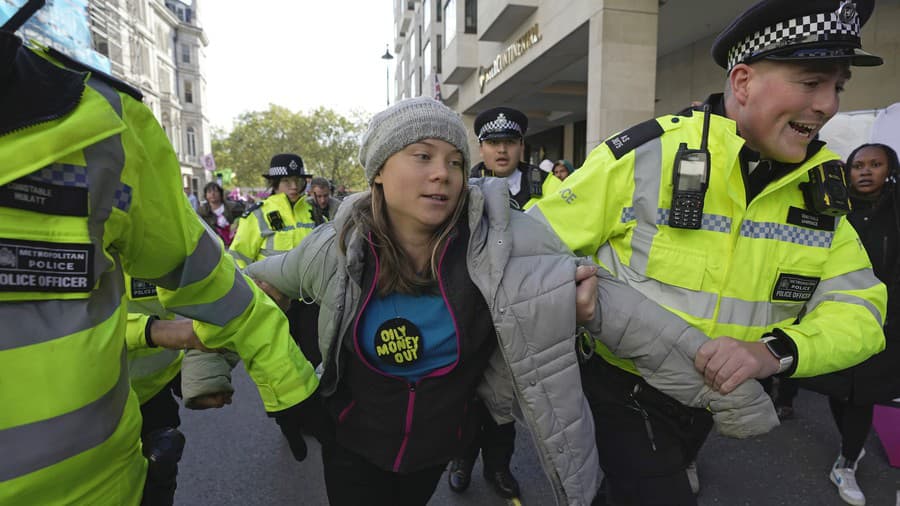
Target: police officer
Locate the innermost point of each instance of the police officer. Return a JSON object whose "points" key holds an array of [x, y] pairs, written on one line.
{"points": [[704, 213], [278, 223], [501, 141], [88, 185]]}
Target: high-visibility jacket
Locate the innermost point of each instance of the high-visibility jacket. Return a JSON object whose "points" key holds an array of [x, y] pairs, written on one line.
{"points": [[260, 234], [89, 187], [149, 369], [749, 269]]}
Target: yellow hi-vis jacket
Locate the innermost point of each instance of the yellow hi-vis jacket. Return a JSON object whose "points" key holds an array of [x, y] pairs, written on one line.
{"points": [[749, 269], [149, 369], [258, 237], [86, 193]]}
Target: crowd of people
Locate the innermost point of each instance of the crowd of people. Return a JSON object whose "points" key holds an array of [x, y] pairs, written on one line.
{"points": [[618, 312]]}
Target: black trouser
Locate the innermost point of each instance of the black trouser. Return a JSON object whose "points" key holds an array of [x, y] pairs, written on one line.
{"points": [[783, 391], [351, 480], [643, 451], [853, 422], [303, 319], [496, 442], [159, 418]]}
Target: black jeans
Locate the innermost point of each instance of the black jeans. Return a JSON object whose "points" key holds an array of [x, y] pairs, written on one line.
{"points": [[854, 422], [351, 480], [642, 455], [496, 442]]}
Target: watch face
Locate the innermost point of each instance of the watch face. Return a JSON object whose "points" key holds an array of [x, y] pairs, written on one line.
{"points": [[779, 348]]}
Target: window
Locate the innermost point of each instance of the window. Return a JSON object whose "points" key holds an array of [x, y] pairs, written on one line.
{"points": [[426, 56], [416, 83], [437, 53], [426, 12], [449, 21], [471, 16], [414, 44], [185, 53], [189, 92], [418, 48], [165, 81], [191, 142], [419, 83], [438, 11], [101, 45]]}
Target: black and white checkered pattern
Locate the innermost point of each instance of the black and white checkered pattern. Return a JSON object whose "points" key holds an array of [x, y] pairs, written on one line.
{"points": [[501, 124], [801, 30], [278, 171]]}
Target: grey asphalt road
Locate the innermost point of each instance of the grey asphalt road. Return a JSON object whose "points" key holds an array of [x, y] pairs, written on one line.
{"points": [[237, 456]]}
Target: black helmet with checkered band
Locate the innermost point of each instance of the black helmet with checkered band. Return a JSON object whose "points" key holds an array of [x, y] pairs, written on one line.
{"points": [[284, 165], [501, 123]]}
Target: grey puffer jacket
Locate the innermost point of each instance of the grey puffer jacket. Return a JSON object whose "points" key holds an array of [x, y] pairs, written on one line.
{"points": [[527, 279]]}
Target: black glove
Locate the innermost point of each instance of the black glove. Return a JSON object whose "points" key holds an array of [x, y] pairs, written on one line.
{"points": [[307, 417]]}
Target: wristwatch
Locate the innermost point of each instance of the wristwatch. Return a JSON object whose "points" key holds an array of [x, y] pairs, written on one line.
{"points": [[780, 350]]}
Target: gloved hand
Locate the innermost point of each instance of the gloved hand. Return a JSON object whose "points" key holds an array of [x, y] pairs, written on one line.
{"points": [[307, 417]]}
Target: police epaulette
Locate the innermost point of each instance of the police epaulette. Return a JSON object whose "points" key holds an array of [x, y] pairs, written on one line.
{"points": [[252, 208], [631, 139], [116, 83]]}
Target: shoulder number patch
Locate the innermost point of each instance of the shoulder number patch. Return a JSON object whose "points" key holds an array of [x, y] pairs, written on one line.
{"points": [[630, 139]]}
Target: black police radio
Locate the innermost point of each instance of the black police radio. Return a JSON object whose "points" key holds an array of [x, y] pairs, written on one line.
{"points": [[275, 220], [826, 192], [690, 179]]}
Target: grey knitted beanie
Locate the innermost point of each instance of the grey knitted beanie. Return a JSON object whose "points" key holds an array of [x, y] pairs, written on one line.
{"points": [[405, 123]]}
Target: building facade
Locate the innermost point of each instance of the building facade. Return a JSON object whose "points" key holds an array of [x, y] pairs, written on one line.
{"points": [[583, 70], [158, 46]]}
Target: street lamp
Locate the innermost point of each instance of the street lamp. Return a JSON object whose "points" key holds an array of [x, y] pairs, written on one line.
{"points": [[387, 57]]}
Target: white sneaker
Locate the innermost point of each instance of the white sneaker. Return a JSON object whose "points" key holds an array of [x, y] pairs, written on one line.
{"points": [[844, 477], [693, 479]]}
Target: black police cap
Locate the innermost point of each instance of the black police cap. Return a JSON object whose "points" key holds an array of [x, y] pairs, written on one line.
{"points": [[796, 30], [501, 123], [285, 165]]}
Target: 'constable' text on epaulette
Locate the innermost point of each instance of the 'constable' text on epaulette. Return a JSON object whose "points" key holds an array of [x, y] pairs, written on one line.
{"points": [[252, 208], [99, 74], [625, 142]]}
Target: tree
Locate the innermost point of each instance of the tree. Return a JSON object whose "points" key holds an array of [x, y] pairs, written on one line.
{"points": [[327, 141]]}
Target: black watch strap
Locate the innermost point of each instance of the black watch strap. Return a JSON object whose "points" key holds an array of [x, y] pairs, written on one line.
{"points": [[147, 337]]}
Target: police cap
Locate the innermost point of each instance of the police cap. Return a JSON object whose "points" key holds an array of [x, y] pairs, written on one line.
{"points": [[285, 165], [500, 123], [796, 30]]}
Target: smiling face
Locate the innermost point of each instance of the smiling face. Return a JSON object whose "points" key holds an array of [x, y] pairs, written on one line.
{"points": [[779, 107], [501, 156], [869, 170], [422, 184]]}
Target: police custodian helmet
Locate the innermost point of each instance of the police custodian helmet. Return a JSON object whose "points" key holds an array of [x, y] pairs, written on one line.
{"points": [[501, 123], [796, 30], [285, 165]]}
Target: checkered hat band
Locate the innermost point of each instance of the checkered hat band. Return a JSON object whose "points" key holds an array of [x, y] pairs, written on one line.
{"points": [[278, 171], [499, 125], [801, 30]]}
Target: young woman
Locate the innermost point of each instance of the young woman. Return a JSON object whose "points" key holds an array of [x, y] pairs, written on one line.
{"points": [[871, 170], [432, 290], [219, 213]]}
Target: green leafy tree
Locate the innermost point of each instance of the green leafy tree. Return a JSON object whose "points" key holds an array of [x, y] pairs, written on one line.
{"points": [[327, 141]]}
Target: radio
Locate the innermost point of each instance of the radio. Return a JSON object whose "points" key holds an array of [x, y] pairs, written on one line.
{"points": [[275, 220], [826, 192], [690, 179]]}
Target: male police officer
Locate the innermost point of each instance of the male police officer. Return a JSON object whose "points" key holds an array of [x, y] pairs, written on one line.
{"points": [[704, 214], [89, 187], [501, 140], [323, 204]]}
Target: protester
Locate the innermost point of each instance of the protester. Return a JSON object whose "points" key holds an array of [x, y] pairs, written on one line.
{"points": [[191, 198], [219, 213], [563, 169], [282, 220], [323, 204], [872, 171], [786, 285], [431, 290], [71, 425]]}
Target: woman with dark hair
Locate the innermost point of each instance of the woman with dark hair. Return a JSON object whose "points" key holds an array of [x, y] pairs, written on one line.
{"points": [[433, 290], [218, 212], [871, 171]]}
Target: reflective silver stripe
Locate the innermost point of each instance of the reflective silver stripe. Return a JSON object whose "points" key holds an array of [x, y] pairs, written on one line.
{"points": [[862, 279], [28, 448], [109, 93], [301, 224], [271, 252], [756, 313], [196, 267], [693, 302], [239, 256], [46, 320], [787, 233], [711, 222], [220, 312], [142, 366], [647, 164]]}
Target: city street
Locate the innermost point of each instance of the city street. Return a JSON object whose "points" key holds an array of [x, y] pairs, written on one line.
{"points": [[237, 456]]}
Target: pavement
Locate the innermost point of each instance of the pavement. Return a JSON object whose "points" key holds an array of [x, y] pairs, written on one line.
{"points": [[237, 456]]}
